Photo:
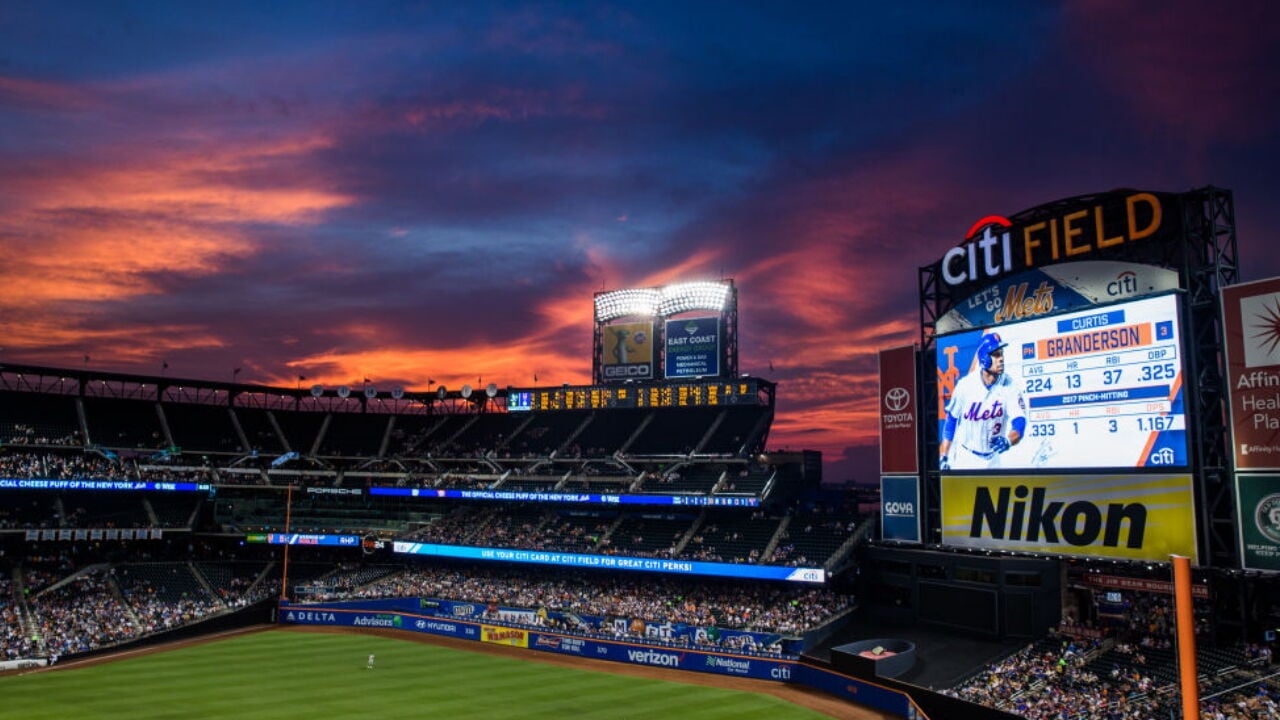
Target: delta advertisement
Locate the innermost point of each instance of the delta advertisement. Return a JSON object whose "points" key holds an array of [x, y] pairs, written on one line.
{"points": [[1251, 323], [900, 508], [899, 451], [1130, 517], [1259, 521], [628, 351], [693, 347]]}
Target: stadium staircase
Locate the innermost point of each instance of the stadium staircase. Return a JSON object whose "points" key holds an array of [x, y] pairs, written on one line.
{"points": [[114, 588], [774, 541], [846, 549], [86, 570], [204, 583], [693, 531], [710, 433], [152, 518]]}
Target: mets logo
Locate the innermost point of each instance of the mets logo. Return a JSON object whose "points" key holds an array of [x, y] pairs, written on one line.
{"points": [[896, 399], [1267, 517]]}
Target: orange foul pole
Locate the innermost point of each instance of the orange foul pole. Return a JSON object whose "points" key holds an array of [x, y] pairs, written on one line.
{"points": [[288, 513], [1186, 637]]}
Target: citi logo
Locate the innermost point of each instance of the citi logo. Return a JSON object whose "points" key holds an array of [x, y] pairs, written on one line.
{"points": [[782, 672], [1126, 283], [995, 251], [652, 657], [900, 509], [1163, 456]]}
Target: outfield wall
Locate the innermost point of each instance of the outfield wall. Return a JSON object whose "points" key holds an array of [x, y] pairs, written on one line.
{"points": [[384, 615]]}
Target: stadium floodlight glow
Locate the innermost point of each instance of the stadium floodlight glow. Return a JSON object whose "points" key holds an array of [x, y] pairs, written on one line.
{"points": [[623, 303], [693, 296]]}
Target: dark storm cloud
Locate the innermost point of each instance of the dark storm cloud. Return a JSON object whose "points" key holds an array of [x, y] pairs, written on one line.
{"points": [[338, 190]]}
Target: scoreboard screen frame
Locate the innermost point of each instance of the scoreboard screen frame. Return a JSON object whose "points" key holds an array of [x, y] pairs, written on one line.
{"points": [[1102, 387]]}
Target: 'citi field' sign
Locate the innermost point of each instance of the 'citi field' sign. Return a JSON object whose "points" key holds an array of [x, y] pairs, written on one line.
{"points": [[1095, 227]]}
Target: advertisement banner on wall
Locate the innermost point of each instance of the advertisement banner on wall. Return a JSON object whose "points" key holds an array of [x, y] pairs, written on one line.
{"points": [[900, 508], [899, 411], [628, 351], [1258, 510], [1251, 323], [693, 347], [1131, 517]]}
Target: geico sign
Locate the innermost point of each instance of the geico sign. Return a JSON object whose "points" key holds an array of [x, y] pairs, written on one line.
{"points": [[1011, 515], [627, 371]]}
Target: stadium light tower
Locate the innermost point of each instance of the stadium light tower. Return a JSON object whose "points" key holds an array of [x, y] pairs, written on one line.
{"points": [[631, 330]]}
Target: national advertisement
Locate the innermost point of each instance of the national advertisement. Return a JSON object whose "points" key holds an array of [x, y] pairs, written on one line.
{"points": [[693, 347], [1130, 517], [1251, 324], [899, 408], [1258, 499]]}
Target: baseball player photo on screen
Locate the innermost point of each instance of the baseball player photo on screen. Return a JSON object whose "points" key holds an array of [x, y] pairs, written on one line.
{"points": [[986, 415], [1094, 388]]}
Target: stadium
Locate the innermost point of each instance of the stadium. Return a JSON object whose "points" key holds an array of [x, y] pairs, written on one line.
{"points": [[546, 548]]}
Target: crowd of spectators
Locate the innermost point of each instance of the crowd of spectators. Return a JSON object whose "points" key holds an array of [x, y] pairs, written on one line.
{"points": [[71, 610], [60, 466], [1125, 672], [659, 600]]}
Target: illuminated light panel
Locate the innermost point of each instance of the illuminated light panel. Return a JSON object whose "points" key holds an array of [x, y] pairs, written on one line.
{"points": [[622, 303], [693, 296]]}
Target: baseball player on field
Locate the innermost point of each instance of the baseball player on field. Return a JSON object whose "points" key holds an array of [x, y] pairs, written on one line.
{"points": [[986, 414]]}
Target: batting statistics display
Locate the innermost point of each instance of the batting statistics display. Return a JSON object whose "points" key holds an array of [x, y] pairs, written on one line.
{"points": [[1099, 388]]}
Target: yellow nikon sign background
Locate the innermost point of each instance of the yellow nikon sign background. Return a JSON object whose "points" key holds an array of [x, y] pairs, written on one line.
{"points": [[1134, 517]]}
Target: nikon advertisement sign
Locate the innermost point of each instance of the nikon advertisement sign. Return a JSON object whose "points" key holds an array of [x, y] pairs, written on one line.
{"points": [[1259, 513], [1129, 517]]}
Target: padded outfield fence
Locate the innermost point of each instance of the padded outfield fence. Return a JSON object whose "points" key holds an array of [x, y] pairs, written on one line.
{"points": [[381, 614]]}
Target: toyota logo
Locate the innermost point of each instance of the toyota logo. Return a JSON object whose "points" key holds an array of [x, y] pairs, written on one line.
{"points": [[896, 399]]}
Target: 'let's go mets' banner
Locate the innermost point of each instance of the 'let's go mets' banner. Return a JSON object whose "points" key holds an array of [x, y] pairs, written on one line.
{"points": [[1132, 517]]}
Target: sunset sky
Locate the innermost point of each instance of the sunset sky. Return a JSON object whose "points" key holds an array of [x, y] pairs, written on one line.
{"points": [[405, 191]]}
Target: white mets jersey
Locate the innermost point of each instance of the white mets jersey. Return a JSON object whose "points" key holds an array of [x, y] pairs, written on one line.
{"points": [[981, 413]]}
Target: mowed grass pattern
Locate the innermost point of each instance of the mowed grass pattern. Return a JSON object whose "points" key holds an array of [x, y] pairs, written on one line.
{"points": [[279, 675]]}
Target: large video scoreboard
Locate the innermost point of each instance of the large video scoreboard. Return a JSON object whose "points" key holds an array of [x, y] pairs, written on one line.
{"points": [[706, 394], [1100, 388]]}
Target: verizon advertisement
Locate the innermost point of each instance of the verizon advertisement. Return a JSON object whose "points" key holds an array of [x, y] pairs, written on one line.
{"points": [[1251, 321], [898, 411]]}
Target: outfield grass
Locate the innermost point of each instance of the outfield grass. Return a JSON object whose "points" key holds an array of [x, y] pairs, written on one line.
{"points": [[276, 675]]}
